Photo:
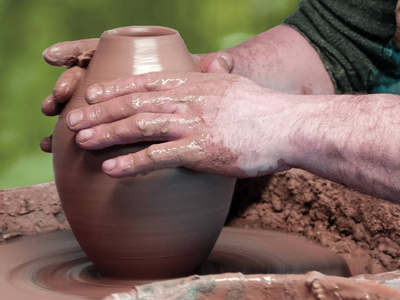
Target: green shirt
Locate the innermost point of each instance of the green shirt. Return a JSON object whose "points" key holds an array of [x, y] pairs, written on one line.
{"points": [[354, 39]]}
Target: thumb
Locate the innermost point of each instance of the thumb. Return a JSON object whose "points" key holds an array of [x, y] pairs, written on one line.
{"points": [[70, 53], [219, 62]]}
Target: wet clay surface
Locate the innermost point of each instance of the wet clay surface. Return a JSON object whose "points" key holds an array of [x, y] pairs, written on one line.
{"points": [[30, 210], [294, 201], [310, 286], [362, 229], [52, 265], [129, 227]]}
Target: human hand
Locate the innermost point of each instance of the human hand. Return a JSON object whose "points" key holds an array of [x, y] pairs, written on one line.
{"points": [[217, 123], [75, 55]]}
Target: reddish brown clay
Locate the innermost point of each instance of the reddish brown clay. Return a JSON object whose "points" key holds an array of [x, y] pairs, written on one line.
{"points": [[52, 266], [310, 286], [161, 225]]}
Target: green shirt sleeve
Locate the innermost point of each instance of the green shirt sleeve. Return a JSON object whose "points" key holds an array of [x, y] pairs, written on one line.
{"points": [[354, 41]]}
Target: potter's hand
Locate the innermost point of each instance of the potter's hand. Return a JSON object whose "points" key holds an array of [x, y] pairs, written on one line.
{"points": [[75, 55], [219, 123]]}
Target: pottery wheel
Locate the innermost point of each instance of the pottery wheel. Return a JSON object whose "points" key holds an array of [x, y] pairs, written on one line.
{"points": [[53, 266]]}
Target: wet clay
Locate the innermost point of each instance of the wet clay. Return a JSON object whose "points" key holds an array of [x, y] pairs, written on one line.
{"points": [[30, 210], [362, 229], [294, 201], [157, 226], [53, 266], [283, 287]]}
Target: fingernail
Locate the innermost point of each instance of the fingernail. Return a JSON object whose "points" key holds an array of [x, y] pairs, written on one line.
{"points": [[110, 164], [85, 135], [94, 92], [75, 117], [226, 61], [222, 62]]}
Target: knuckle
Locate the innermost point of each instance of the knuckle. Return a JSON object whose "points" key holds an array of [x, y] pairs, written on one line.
{"points": [[131, 103], [157, 96], [159, 125], [96, 113], [129, 162], [61, 91], [163, 124], [153, 153], [142, 126], [114, 87], [149, 83], [109, 133]]}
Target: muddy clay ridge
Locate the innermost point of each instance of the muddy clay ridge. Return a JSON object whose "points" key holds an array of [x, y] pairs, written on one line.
{"points": [[362, 229]]}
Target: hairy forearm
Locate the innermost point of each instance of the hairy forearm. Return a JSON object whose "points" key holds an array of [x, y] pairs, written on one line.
{"points": [[350, 139], [282, 59], [353, 140]]}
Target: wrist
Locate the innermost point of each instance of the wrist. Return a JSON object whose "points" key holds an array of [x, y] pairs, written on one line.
{"points": [[306, 131], [268, 148]]}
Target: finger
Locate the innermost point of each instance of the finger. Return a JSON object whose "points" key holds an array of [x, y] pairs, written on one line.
{"points": [[120, 108], [70, 53], [141, 83], [63, 91], [50, 107], [219, 66], [146, 127], [67, 83], [219, 62], [45, 144], [155, 157]]}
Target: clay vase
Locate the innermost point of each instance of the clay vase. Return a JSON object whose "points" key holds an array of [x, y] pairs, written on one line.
{"points": [[161, 225]]}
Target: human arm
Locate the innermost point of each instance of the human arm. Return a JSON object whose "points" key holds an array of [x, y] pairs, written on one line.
{"points": [[240, 129], [258, 150], [350, 139], [281, 58]]}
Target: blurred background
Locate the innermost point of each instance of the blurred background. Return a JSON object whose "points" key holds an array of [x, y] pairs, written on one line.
{"points": [[28, 27]]}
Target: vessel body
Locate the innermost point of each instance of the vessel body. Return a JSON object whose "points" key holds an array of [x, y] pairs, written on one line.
{"points": [[160, 225]]}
